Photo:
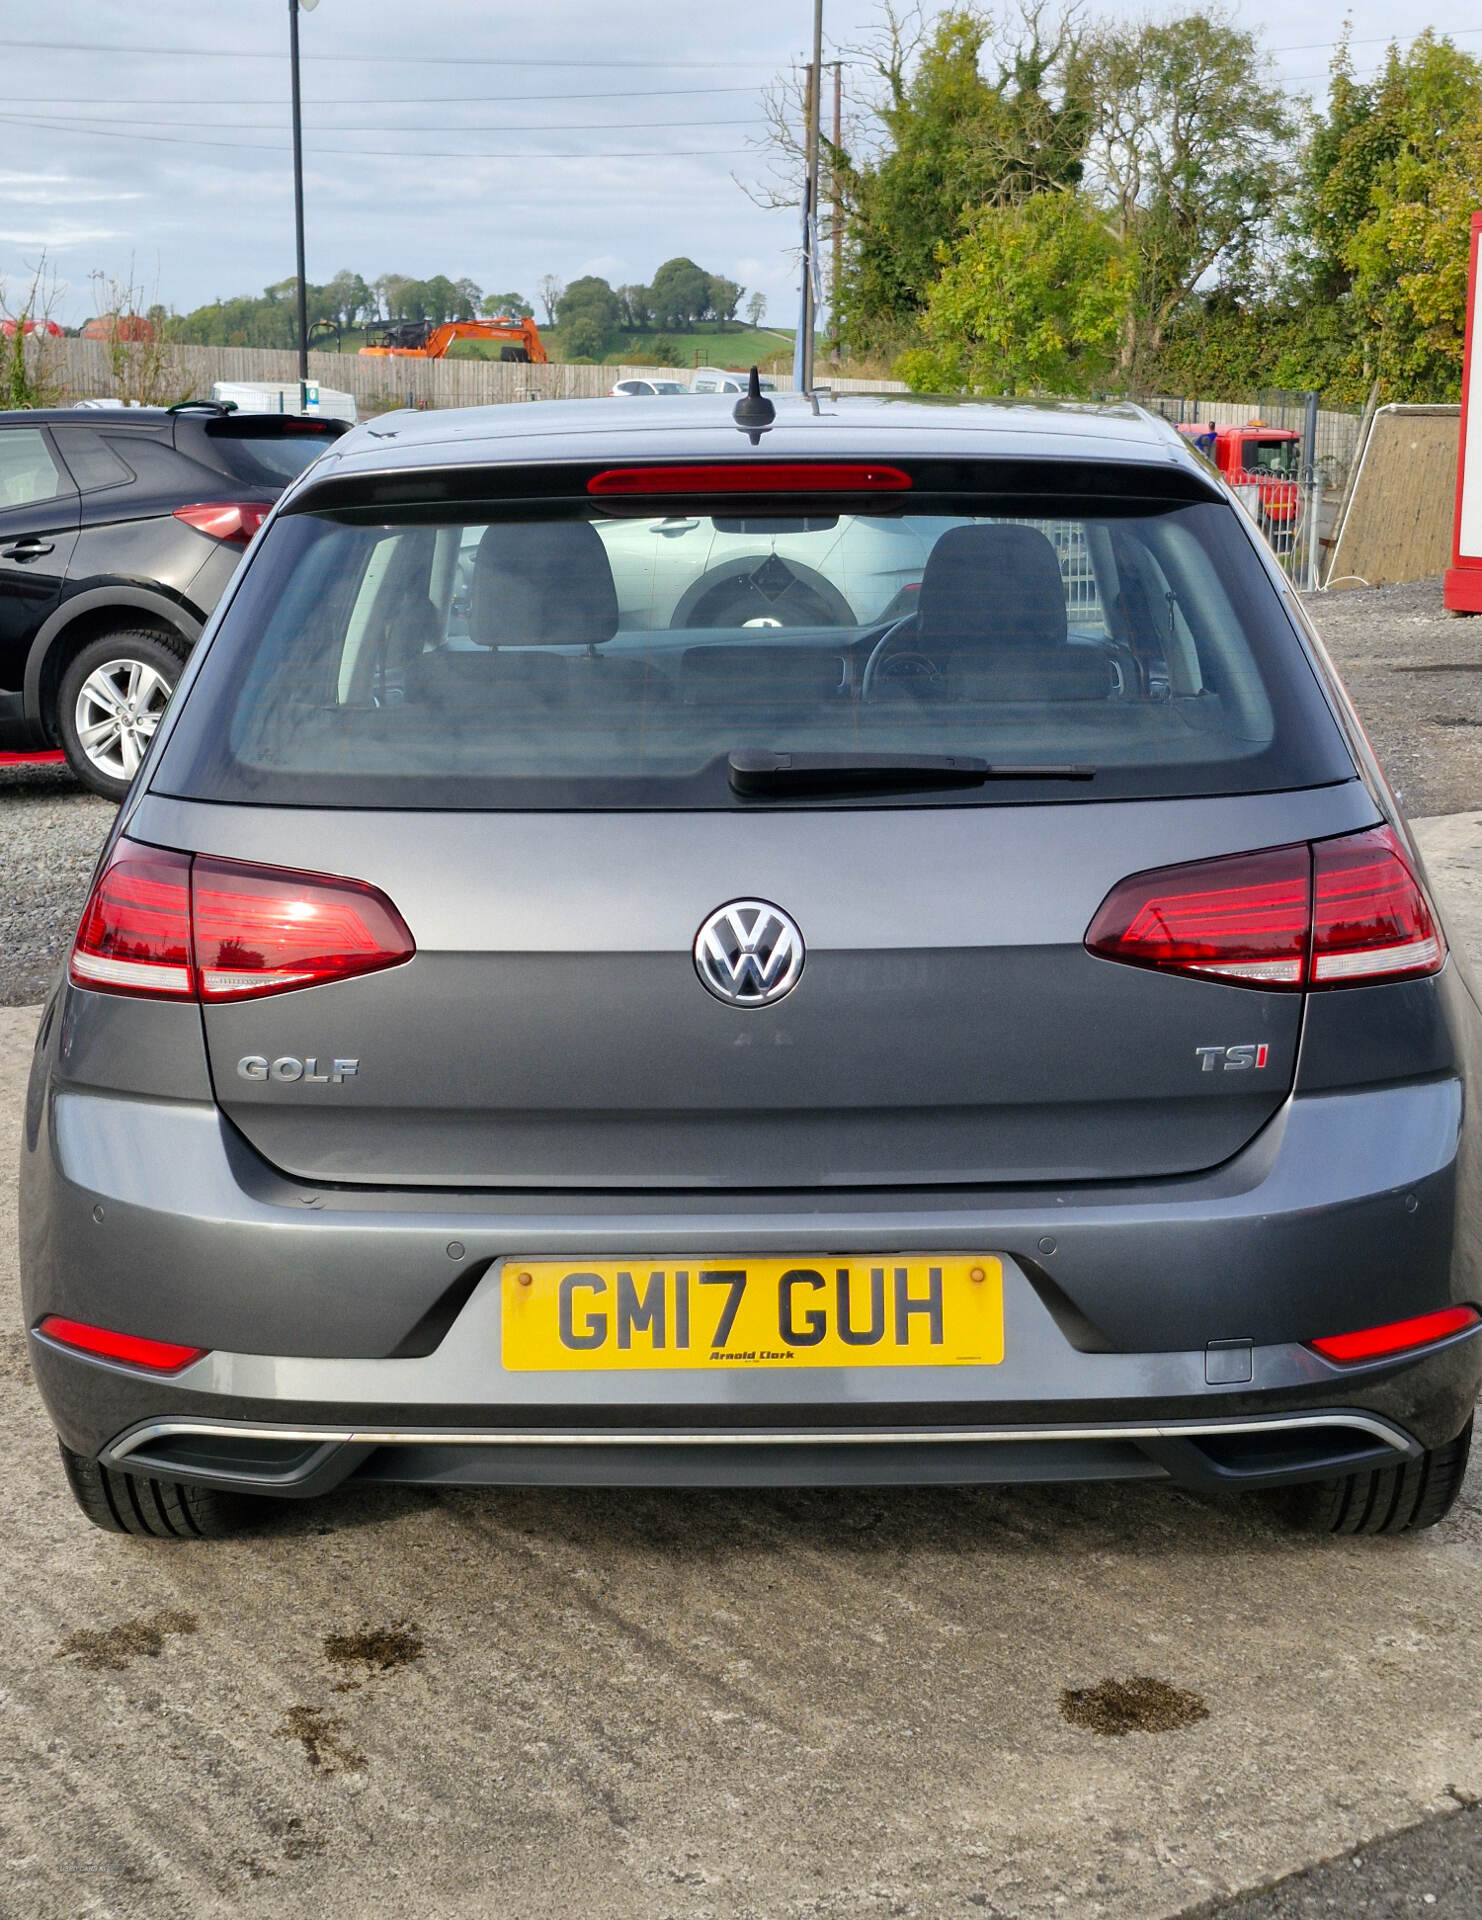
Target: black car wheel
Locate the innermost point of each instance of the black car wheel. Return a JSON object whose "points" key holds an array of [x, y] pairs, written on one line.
{"points": [[112, 698], [161, 1509], [1400, 1499]]}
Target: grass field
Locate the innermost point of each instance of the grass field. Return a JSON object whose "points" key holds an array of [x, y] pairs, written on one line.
{"points": [[709, 344]]}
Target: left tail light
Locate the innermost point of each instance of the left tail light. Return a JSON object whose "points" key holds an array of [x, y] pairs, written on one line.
{"points": [[193, 927], [1335, 913], [234, 520]]}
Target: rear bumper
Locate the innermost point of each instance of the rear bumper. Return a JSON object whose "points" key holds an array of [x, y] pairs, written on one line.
{"points": [[357, 1332], [285, 1460]]}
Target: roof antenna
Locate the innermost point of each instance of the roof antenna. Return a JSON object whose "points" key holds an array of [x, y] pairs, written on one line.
{"points": [[754, 412]]}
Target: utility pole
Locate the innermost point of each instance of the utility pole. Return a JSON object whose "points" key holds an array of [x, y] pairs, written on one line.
{"points": [[836, 237], [298, 200], [810, 228]]}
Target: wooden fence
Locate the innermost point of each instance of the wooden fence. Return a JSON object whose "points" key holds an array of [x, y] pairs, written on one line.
{"points": [[1397, 525], [81, 369]]}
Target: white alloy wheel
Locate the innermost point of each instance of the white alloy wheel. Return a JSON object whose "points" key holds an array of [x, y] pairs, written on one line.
{"points": [[119, 706]]}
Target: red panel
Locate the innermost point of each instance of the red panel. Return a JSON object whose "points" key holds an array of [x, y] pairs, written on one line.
{"points": [[1463, 590], [1454, 598]]}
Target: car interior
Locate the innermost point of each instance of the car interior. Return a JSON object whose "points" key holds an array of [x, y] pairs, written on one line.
{"points": [[499, 645]]}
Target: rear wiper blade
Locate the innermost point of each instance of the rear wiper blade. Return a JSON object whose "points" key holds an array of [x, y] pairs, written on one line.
{"points": [[760, 771]]}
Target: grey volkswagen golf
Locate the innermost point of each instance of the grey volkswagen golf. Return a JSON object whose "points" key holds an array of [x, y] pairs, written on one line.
{"points": [[516, 1036]]}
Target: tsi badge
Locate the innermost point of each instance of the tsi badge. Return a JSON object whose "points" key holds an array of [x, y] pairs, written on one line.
{"points": [[286, 1069], [1232, 1059]]}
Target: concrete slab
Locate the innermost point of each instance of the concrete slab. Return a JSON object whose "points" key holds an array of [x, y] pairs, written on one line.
{"points": [[711, 1707]]}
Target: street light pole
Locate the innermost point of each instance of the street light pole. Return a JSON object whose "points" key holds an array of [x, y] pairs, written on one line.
{"points": [[298, 202], [810, 236]]}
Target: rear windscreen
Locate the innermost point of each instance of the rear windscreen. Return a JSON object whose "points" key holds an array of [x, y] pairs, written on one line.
{"points": [[268, 452], [562, 657]]}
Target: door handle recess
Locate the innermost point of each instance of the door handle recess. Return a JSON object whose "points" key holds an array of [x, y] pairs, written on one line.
{"points": [[27, 550]]}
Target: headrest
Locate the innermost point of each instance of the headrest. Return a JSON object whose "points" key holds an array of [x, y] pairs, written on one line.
{"points": [[992, 587], [542, 584]]}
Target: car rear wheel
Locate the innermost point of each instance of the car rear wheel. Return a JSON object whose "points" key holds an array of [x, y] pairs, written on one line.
{"points": [[112, 698], [160, 1509], [1399, 1499]]}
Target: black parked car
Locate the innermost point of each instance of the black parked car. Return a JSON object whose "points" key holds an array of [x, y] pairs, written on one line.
{"points": [[118, 532]]}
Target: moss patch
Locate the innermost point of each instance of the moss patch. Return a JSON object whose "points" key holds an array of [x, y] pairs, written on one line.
{"points": [[1139, 1705]]}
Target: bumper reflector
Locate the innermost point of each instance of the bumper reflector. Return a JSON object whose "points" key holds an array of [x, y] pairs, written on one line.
{"points": [[157, 1356], [1375, 1343]]}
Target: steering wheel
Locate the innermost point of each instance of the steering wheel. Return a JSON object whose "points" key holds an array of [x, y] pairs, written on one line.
{"points": [[891, 659]]}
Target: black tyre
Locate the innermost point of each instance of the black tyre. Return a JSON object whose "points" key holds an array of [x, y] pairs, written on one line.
{"points": [[1398, 1499], [112, 698], [161, 1509]]}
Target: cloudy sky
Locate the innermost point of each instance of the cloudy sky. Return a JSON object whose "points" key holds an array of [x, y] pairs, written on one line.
{"points": [[471, 137]]}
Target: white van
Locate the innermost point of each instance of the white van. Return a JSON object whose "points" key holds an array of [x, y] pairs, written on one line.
{"points": [[282, 396]]}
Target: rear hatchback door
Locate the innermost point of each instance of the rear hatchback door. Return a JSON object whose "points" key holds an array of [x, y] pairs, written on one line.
{"points": [[545, 798]]}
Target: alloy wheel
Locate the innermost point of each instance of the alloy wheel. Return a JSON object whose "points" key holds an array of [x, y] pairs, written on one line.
{"points": [[119, 706]]}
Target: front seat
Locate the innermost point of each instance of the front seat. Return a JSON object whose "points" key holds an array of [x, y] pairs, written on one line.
{"points": [[534, 586], [542, 585], [992, 617]]}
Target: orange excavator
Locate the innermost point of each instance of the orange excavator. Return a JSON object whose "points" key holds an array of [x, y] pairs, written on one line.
{"points": [[424, 340]]}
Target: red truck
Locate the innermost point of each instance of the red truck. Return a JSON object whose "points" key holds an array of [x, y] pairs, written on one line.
{"points": [[1267, 459]]}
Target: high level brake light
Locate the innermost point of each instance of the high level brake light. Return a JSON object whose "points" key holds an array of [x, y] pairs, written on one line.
{"points": [[793, 476], [232, 520], [1345, 912], [185, 927]]}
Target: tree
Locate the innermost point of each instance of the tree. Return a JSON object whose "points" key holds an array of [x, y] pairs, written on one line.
{"points": [[722, 297], [583, 336], [681, 293], [590, 306], [1389, 181], [401, 298], [348, 298], [756, 308], [550, 291], [1191, 155], [947, 139], [637, 304], [512, 306], [1032, 300], [28, 377], [467, 299], [441, 300]]}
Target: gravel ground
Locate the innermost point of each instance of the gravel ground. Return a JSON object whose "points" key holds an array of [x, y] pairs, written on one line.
{"points": [[50, 831], [1414, 672]]}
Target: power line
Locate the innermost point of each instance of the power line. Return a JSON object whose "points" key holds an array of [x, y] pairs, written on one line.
{"points": [[363, 59], [1368, 40], [378, 153], [103, 123], [371, 100]]}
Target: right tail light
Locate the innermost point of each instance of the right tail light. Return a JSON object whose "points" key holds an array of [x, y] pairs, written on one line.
{"points": [[192, 927], [1335, 913], [234, 521]]}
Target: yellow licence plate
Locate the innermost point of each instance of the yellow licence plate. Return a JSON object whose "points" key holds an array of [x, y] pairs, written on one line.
{"points": [[729, 1311]]}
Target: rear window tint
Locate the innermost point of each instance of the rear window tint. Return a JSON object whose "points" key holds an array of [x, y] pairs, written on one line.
{"points": [[556, 658], [268, 453]]}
